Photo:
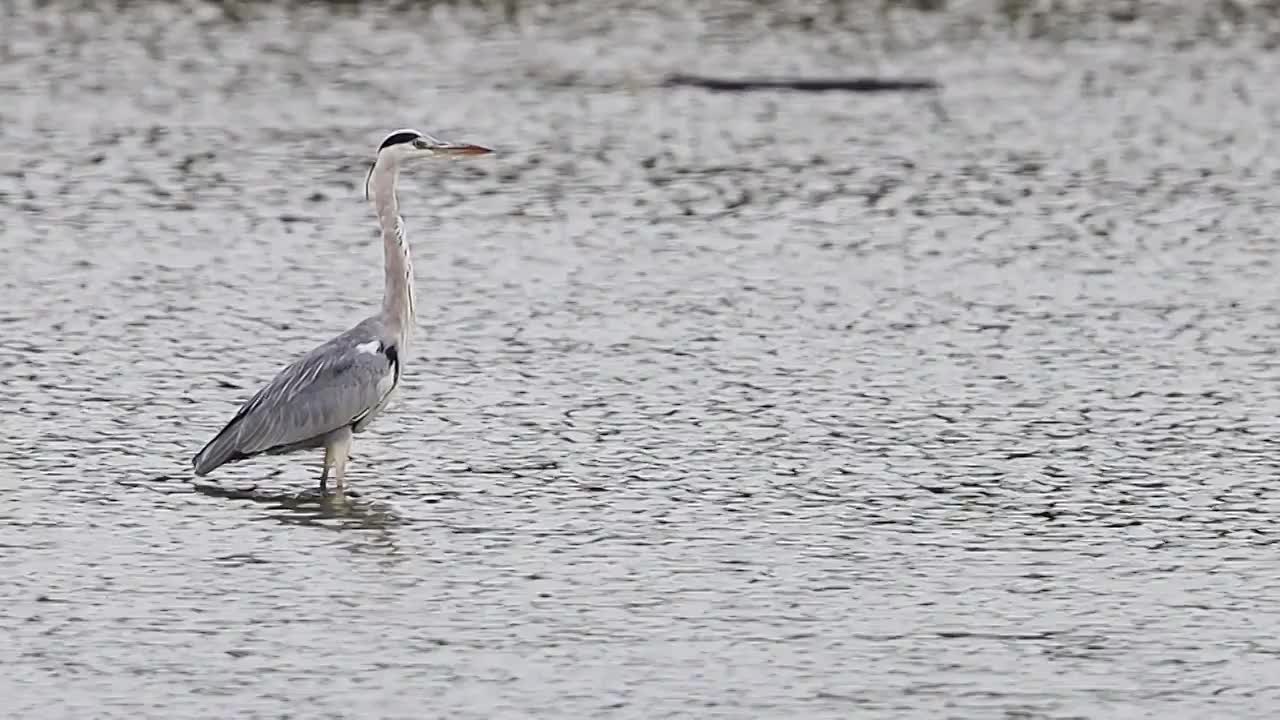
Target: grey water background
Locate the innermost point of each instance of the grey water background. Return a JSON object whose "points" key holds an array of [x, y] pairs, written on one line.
{"points": [[957, 404]]}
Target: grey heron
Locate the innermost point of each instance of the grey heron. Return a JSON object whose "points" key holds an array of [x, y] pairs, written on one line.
{"points": [[337, 389]]}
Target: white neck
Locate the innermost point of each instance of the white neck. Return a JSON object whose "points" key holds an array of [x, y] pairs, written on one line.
{"points": [[398, 297]]}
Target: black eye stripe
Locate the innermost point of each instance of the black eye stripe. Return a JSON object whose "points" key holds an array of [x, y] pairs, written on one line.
{"points": [[399, 138]]}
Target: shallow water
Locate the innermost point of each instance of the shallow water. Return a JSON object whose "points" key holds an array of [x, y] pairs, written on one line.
{"points": [[959, 404]]}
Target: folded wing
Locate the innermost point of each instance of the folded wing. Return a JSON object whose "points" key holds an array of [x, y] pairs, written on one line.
{"points": [[331, 387]]}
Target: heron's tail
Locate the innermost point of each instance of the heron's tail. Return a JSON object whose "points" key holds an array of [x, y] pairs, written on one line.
{"points": [[221, 450]]}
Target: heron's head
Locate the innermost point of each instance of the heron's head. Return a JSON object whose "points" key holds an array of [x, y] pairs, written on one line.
{"points": [[407, 143]]}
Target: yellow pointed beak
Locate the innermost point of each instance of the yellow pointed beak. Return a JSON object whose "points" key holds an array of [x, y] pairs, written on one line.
{"points": [[460, 149]]}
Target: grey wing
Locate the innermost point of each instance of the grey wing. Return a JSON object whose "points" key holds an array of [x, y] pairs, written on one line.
{"points": [[334, 386]]}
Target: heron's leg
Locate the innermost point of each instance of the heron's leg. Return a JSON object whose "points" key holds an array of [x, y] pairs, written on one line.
{"points": [[337, 451], [324, 473]]}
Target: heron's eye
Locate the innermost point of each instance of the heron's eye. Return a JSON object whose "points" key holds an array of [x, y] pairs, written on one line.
{"points": [[421, 144]]}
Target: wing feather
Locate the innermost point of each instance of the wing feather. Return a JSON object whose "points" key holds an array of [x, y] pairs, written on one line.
{"points": [[326, 389]]}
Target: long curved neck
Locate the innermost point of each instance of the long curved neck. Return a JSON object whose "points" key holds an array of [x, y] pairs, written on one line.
{"points": [[398, 297]]}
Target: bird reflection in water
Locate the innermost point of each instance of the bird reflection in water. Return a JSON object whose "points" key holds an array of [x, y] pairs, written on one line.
{"points": [[312, 508]]}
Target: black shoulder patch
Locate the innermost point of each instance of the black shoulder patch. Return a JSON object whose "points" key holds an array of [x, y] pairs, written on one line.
{"points": [[398, 139], [391, 353]]}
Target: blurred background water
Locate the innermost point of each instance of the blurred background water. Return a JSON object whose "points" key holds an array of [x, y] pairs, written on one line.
{"points": [[725, 405]]}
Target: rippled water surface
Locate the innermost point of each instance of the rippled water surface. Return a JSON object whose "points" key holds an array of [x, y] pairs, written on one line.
{"points": [[954, 404]]}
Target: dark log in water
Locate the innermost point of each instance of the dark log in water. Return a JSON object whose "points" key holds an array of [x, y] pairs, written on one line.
{"points": [[801, 84]]}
